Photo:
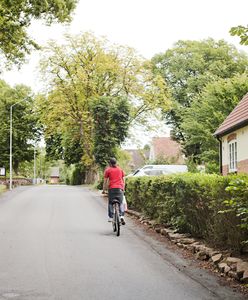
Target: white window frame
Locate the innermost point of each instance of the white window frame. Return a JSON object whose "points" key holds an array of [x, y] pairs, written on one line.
{"points": [[232, 155]]}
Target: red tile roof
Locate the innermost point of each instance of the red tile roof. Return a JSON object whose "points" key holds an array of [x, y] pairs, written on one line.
{"points": [[236, 119], [166, 147]]}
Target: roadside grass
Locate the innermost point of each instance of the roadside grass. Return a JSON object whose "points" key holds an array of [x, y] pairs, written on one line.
{"points": [[2, 189]]}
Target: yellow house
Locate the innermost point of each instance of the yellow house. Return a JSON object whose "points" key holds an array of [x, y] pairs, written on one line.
{"points": [[233, 137]]}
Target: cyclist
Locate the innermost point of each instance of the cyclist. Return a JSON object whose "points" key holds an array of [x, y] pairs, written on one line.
{"points": [[115, 183]]}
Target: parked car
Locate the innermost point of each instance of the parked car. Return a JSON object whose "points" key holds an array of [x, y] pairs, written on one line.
{"points": [[155, 170]]}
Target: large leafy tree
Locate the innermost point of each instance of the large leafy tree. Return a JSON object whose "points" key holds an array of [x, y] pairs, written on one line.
{"points": [[206, 114], [189, 67], [84, 71], [26, 128], [15, 18]]}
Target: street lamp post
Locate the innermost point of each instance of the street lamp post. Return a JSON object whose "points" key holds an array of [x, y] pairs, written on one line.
{"points": [[34, 166], [10, 150], [10, 143]]}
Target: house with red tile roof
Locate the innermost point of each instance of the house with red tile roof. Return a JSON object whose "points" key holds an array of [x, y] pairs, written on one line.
{"points": [[166, 148], [233, 137]]}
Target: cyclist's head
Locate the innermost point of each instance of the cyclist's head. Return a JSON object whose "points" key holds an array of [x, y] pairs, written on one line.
{"points": [[112, 162]]}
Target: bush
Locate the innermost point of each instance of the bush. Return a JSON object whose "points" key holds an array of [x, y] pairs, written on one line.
{"points": [[77, 176], [191, 203]]}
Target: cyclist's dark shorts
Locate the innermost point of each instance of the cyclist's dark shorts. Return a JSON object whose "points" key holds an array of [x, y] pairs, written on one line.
{"points": [[115, 194]]}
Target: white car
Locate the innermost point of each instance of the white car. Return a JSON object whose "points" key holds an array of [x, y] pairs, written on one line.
{"points": [[154, 170]]}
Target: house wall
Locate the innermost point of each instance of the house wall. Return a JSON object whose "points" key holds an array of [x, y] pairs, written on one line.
{"points": [[54, 180], [242, 150]]}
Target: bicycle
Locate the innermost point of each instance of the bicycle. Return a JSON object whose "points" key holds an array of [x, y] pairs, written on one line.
{"points": [[116, 217]]}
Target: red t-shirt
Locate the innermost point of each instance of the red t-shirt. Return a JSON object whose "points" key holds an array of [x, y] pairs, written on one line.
{"points": [[115, 176]]}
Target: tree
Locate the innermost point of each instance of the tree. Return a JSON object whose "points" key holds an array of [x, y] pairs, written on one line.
{"points": [[15, 18], [84, 71], [26, 128], [242, 32], [111, 119], [206, 114], [189, 67]]}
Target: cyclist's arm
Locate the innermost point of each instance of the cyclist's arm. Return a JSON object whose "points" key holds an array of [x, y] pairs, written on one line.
{"points": [[105, 185]]}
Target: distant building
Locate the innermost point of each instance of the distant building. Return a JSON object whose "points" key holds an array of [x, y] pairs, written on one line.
{"points": [[233, 137], [167, 149], [54, 175], [138, 158]]}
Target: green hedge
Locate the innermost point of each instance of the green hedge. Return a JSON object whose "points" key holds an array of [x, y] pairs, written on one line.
{"points": [[192, 203]]}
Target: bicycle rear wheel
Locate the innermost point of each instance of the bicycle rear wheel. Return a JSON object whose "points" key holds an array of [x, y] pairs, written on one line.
{"points": [[117, 219], [114, 223]]}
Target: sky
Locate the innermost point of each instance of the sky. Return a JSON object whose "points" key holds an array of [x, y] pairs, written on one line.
{"points": [[149, 26]]}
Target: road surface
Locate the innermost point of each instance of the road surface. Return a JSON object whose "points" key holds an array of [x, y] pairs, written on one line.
{"points": [[56, 243]]}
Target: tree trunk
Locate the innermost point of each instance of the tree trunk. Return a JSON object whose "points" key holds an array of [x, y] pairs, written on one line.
{"points": [[91, 176]]}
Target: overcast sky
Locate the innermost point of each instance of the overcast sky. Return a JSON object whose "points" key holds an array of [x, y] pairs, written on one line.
{"points": [[149, 26]]}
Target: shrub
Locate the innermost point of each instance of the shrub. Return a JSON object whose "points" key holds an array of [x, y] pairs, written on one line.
{"points": [[192, 203]]}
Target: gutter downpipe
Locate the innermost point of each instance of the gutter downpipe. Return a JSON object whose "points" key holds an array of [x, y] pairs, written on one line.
{"points": [[220, 152]]}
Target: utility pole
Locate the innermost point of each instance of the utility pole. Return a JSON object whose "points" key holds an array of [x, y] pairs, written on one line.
{"points": [[10, 150], [10, 143], [34, 166]]}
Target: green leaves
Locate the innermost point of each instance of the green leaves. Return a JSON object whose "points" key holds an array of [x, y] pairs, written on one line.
{"points": [[207, 79], [97, 90], [16, 16], [242, 32], [192, 203], [26, 128], [111, 120]]}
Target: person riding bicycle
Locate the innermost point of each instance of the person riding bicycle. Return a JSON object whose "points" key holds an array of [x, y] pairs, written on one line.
{"points": [[115, 183]]}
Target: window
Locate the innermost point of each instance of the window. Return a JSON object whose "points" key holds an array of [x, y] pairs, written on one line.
{"points": [[233, 156]]}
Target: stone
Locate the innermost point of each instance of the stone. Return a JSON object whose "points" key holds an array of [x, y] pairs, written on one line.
{"points": [[244, 279], [189, 247], [180, 245], [221, 267], [166, 231], [163, 231], [233, 274], [201, 255], [152, 222], [227, 269], [242, 267], [158, 230], [232, 260], [216, 258], [173, 236], [213, 253], [187, 241]]}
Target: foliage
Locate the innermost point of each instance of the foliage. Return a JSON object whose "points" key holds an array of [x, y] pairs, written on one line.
{"points": [[111, 119], [15, 18], [26, 168], [162, 160], [242, 32], [189, 67], [83, 74], [205, 115], [190, 203], [77, 175], [26, 128], [238, 188]]}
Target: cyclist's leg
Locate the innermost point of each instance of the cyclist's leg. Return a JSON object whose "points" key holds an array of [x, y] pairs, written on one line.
{"points": [[110, 203], [122, 212]]}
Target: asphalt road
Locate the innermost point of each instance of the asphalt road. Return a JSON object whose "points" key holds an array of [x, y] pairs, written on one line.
{"points": [[56, 243]]}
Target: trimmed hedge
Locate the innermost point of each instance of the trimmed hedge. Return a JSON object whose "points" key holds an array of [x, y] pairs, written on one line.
{"points": [[192, 203]]}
